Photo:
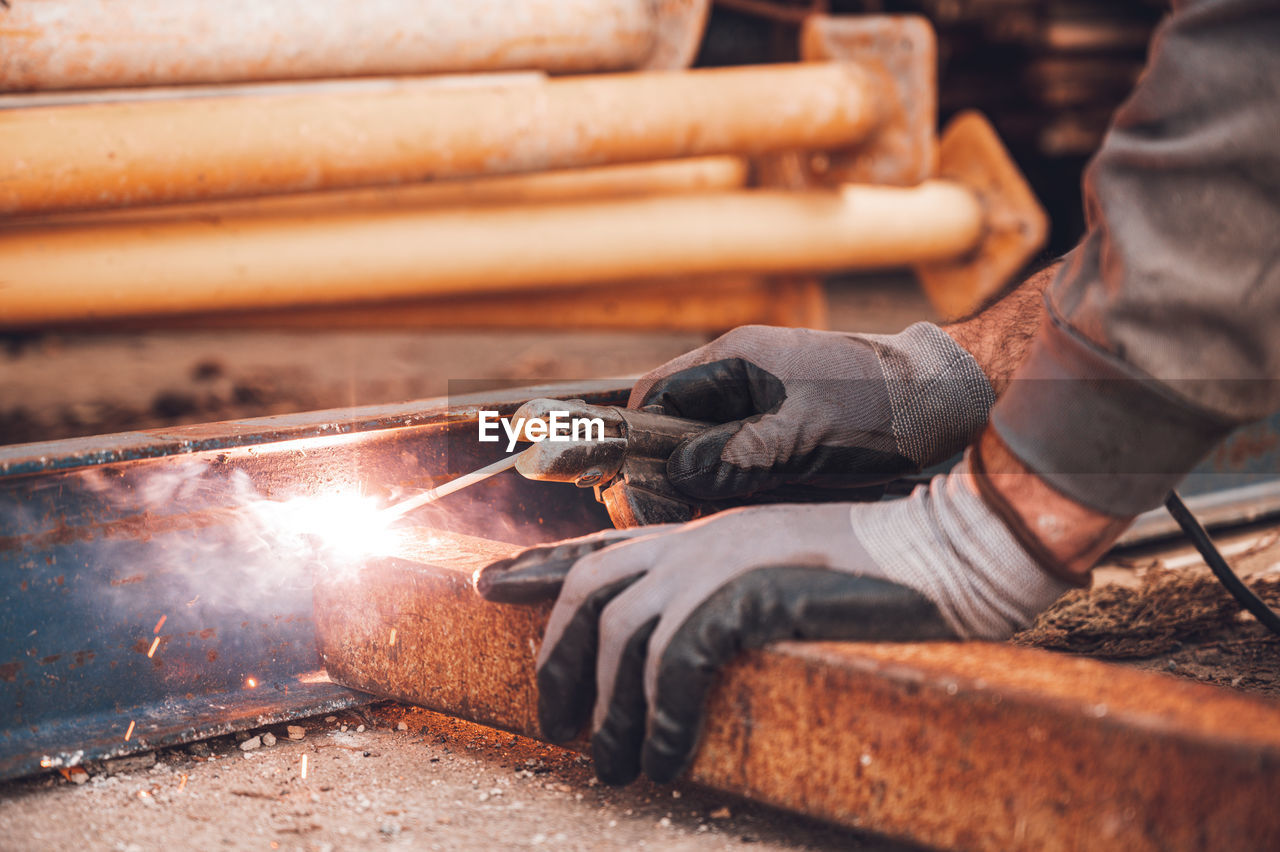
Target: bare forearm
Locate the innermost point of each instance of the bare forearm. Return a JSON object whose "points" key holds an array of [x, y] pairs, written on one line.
{"points": [[1000, 336]]}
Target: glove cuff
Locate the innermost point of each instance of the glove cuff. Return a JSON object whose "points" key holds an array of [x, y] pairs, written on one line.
{"points": [[939, 395], [946, 543]]}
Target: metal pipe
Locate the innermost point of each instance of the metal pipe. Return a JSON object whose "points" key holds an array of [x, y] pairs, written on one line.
{"points": [[694, 174], [65, 44], [133, 269], [124, 154]]}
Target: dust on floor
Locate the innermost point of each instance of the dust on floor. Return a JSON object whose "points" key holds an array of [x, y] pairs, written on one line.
{"points": [[385, 777]]}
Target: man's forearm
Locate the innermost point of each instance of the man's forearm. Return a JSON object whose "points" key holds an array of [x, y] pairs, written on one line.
{"points": [[1000, 336]]}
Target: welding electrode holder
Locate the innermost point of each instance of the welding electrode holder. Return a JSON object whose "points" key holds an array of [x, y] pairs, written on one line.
{"points": [[628, 467]]}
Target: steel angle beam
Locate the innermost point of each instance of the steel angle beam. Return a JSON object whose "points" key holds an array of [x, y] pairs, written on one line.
{"points": [[147, 600]]}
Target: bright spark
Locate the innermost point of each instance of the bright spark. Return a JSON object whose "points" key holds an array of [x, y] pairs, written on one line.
{"points": [[393, 637], [129, 733], [251, 683], [155, 643], [183, 782], [46, 762], [160, 624], [347, 526], [304, 767]]}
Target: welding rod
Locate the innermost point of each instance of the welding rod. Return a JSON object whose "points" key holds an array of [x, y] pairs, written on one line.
{"points": [[461, 482]]}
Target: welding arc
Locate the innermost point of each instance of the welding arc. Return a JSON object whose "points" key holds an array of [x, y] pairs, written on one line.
{"points": [[464, 481]]}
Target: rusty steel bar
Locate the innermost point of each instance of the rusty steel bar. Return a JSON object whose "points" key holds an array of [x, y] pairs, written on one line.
{"points": [[124, 154], [155, 268], [960, 746], [67, 44]]}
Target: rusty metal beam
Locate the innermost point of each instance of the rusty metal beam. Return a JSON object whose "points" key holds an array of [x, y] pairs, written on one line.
{"points": [[965, 746], [123, 154], [101, 271], [68, 44]]}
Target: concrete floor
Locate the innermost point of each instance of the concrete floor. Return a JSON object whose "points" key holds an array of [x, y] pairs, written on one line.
{"points": [[437, 784]]}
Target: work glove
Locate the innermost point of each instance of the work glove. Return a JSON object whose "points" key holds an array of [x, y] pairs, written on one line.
{"points": [[641, 627], [816, 407]]}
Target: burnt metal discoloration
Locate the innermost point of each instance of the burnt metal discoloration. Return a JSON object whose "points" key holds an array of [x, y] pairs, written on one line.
{"points": [[969, 746]]}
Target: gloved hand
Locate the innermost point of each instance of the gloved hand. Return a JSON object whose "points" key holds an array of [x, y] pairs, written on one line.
{"points": [[816, 407], [641, 627]]}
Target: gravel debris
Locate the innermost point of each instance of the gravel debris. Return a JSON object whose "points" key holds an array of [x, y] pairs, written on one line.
{"points": [[251, 743], [296, 732], [268, 739], [133, 763], [401, 726]]}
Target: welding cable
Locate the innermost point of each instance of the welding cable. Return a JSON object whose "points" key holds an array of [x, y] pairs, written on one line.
{"points": [[1213, 557]]}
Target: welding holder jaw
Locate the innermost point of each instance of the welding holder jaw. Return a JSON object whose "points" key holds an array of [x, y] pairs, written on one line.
{"points": [[627, 467]]}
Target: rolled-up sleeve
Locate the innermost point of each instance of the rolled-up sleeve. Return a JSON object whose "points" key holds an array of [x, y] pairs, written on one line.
{"points": [[1163, 327]]}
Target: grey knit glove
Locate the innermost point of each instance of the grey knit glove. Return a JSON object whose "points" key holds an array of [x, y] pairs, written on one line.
{"points": [[640, 628], [816, 407]]}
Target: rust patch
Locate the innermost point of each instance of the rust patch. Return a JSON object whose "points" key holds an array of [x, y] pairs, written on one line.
{"points": [[124, 581], [9, 672], [140, 527]]}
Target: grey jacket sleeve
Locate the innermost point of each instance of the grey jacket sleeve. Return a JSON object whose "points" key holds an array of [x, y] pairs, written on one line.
{"points": [[1163, 328]]}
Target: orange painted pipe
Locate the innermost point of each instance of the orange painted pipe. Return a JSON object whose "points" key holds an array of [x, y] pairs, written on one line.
{"points": [[126, 154], [664, 177], [95, 272], [68, 44]]}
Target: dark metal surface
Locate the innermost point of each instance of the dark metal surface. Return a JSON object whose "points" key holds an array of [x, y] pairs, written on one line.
{"points": [[102, 537]]}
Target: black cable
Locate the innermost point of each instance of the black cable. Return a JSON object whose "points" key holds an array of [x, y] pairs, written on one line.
{"points": [[1213, 557]]}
